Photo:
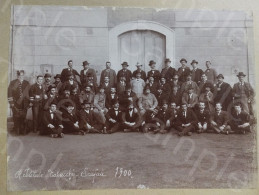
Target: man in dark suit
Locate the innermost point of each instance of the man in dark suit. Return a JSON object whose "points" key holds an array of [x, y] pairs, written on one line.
{"points": [[153, 72], [114, 117], [219, 120], [87, 70], [204, 81], [139, 70], [196, 72], [18, 99], [52, 124], [51, 96], [175, 96], [68, 71], [126, 98], [106, 85], [122, 85], [71, 121], [223, 92], [110, 98], [124, 72], [175, 82], [57, 81], [130, 119], [109, 73], [166, 88], [203, 118], [36, 94], [71, 83], [185, 121], [161, 96], [240, 120], [47, 81], [153, 86], [87, 121], [243, 92], [183, 71], [168, 72]]}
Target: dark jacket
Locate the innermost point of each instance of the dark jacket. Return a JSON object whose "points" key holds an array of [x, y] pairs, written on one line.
{"points": [[56, 121], [183, 73], [143, 74], [84, 78], [190, 117], [69, 120], [112, 115], [221, 119], [223, 94], [155, 74], [65, 73], [127, 74], [108, 102], [203, 117], [168, 73], [196, 75], [85, 117], [240, 119]]}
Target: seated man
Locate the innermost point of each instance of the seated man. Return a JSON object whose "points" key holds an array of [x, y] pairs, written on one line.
{"points": [[190, 98], [51, 96], [51, 122], [130, 120], [203, 118], [87, 95], [207, 97], [185, 121], [219, 120], [150, 120], [111, 97], [99, 103], [114, 117], [126, 98], [166, 117], [240, 119], [87, 120], [70, 120], [147, 101]]}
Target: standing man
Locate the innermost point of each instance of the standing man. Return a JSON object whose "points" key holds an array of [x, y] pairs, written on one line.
{"points": [[153, 72], [243, 92], [36, 94], [168, 72], [68, 71], [47, 82], [87, 70], [137, 85], [152, 85], [211, 73], [18, 100], [108, 72], [223, 92], [139, 70], [196, 72], [183, 71], [125, 72], [57, 81]]}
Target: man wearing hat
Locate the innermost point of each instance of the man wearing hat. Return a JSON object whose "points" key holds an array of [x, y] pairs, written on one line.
{"points": [[52, 124], [108, 72], [190, 98], [57, 81], [114, 117], [124, 72], [87, 121], [66, 72], [183, 71], [69, 83], [47, 81], [64, 97], [51, 96], [196, 72], [223, 92], [139, 70], [87, 95], [36, 94], [168, 72], [87, 70], [207, 97], [130, 119], [121, 85], [189, 83], [243, 92], [147, 101], [153, 72], [137, 85], [211, 73], [18, 99]]}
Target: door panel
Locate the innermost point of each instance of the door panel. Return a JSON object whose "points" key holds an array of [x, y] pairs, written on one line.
{"points": [[142, 46]]}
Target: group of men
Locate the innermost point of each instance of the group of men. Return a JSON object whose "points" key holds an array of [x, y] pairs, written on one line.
{"points": [[186, 100]]}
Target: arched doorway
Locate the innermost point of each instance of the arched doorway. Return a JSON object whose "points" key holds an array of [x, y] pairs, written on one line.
{"points": [[142, 46], [153, 31]]}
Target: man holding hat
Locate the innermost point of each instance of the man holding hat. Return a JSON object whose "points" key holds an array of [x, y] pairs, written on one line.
{"points": [[124, 72], [108, 72], [196, 72], [87, 70], [183, 71], [139, 70], [47, 81], [243, 92], [153, 72], [168, 72], [223, 92], [68, 71], [18, 99]]}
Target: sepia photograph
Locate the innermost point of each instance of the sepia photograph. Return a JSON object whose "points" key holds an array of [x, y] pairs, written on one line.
{"points": [[130, 98]]}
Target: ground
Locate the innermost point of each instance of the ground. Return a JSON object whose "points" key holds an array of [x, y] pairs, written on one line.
{"points": [[150, 161]]}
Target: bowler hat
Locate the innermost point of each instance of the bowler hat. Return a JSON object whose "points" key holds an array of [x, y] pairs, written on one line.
{"points": [[85, 63], [54, 102], [151, 62], [241, 74], [220, 76], [194, 61], [68, 104], [183, 59], [19, 72], [57, 76], [138, 64], [125, 64], [51, 86], [47, 75], [167, 60]]}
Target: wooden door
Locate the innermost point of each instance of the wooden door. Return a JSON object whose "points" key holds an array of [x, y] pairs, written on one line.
{"points": [[142, 46]]}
